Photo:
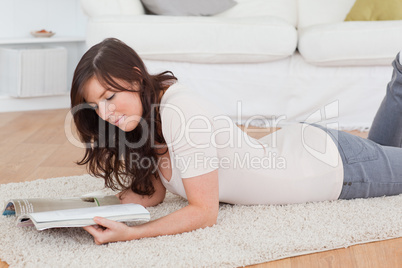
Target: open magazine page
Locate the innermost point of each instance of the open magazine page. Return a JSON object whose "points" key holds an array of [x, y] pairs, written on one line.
{"points": [[84, 216], [25, 206]]}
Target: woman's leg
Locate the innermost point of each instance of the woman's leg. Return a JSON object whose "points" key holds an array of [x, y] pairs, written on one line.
{"points": [[387, 125], [370, 169]]}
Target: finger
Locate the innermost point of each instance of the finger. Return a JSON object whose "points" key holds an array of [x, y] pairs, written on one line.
{"points": [[105, 222], [99, 227], [92, 230]]}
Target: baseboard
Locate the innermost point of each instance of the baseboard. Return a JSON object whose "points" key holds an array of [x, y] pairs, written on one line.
{"points": [[11, 104]]}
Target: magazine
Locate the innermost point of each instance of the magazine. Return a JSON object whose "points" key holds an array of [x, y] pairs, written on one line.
{"points": [[45, 213]]}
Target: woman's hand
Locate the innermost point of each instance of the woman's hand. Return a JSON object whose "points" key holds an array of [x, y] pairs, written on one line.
{"points": [[112, 231]]}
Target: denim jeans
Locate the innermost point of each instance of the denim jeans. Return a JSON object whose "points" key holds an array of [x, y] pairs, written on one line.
{"points": [[373, 166]]}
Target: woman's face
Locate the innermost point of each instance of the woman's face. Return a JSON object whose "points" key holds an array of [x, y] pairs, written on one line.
{"points": [[120, 108]]}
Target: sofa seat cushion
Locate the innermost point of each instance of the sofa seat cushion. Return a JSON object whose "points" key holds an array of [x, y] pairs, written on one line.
{"points": [[351, 43], [199, 39]]}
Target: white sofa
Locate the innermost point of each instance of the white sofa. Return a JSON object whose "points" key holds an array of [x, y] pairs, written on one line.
{"points": [[287, 60]]}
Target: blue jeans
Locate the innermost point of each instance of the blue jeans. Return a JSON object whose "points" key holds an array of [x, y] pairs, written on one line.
{"points": [[373, 166]]}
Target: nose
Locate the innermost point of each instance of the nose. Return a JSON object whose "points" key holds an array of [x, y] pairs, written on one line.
{"points": [[104, 111]]}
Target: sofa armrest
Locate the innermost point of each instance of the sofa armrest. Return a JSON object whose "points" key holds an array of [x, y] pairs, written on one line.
{"points": [[95, 8]]}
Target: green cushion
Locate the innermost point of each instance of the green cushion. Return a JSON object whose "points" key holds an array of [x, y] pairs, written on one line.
{"points": [[364, 10]]}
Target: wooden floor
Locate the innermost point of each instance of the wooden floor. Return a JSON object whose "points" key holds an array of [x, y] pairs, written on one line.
{"points": [[34, 145]]}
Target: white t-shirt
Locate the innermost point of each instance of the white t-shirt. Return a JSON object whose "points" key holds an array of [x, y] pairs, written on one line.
{"points": [[296, 164]]}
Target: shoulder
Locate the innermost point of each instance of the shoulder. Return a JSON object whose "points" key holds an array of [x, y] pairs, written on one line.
{"points": [[177, 94], [181, 102], [182, 109]]}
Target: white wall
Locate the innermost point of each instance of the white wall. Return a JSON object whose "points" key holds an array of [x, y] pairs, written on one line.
{"points": [[19, 17]]}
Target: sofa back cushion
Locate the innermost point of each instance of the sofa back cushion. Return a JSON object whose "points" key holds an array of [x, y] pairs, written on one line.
{"points": [[96, 8], [314, 12], [199, 39], [284, 9]]}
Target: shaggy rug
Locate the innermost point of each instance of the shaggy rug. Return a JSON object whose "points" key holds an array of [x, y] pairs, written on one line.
{"points": [[244, 235]]}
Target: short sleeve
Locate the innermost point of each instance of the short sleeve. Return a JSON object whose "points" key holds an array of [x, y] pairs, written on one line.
{"points": [[188, 131]]}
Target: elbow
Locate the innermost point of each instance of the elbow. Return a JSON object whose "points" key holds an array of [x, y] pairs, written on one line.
{"points": [[160, 198], [154, 202], [204, 215], [211, 218], [156, 198], [211, 222]]}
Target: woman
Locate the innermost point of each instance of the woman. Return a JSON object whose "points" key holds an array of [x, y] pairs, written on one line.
{"points": [[147, 133]]}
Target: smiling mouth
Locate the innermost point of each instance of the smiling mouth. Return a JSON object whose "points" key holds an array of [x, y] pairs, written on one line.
{"points": [[118, 120]]}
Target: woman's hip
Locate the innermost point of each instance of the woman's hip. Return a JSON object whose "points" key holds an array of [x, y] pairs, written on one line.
{"points": [[370, 170]]}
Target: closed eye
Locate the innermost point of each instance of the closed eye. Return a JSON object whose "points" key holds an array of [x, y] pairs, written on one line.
{"points": [[111, 97], [95, 107]]}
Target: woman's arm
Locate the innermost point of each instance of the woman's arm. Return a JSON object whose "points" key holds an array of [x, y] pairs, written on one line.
{"points": [[202, 211], [145, 200]]}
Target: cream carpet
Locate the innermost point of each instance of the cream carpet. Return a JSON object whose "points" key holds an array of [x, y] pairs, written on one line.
{"points": [[244, 235]]}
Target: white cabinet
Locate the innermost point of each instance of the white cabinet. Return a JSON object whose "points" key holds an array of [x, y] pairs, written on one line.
{"points": [[25, 65], [33, 71]]}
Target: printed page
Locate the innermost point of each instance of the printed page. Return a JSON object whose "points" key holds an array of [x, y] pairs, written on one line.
{"points": [[26, 206]]}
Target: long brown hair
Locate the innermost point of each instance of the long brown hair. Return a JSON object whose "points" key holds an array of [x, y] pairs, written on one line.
{"points": [[108, 153]]}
